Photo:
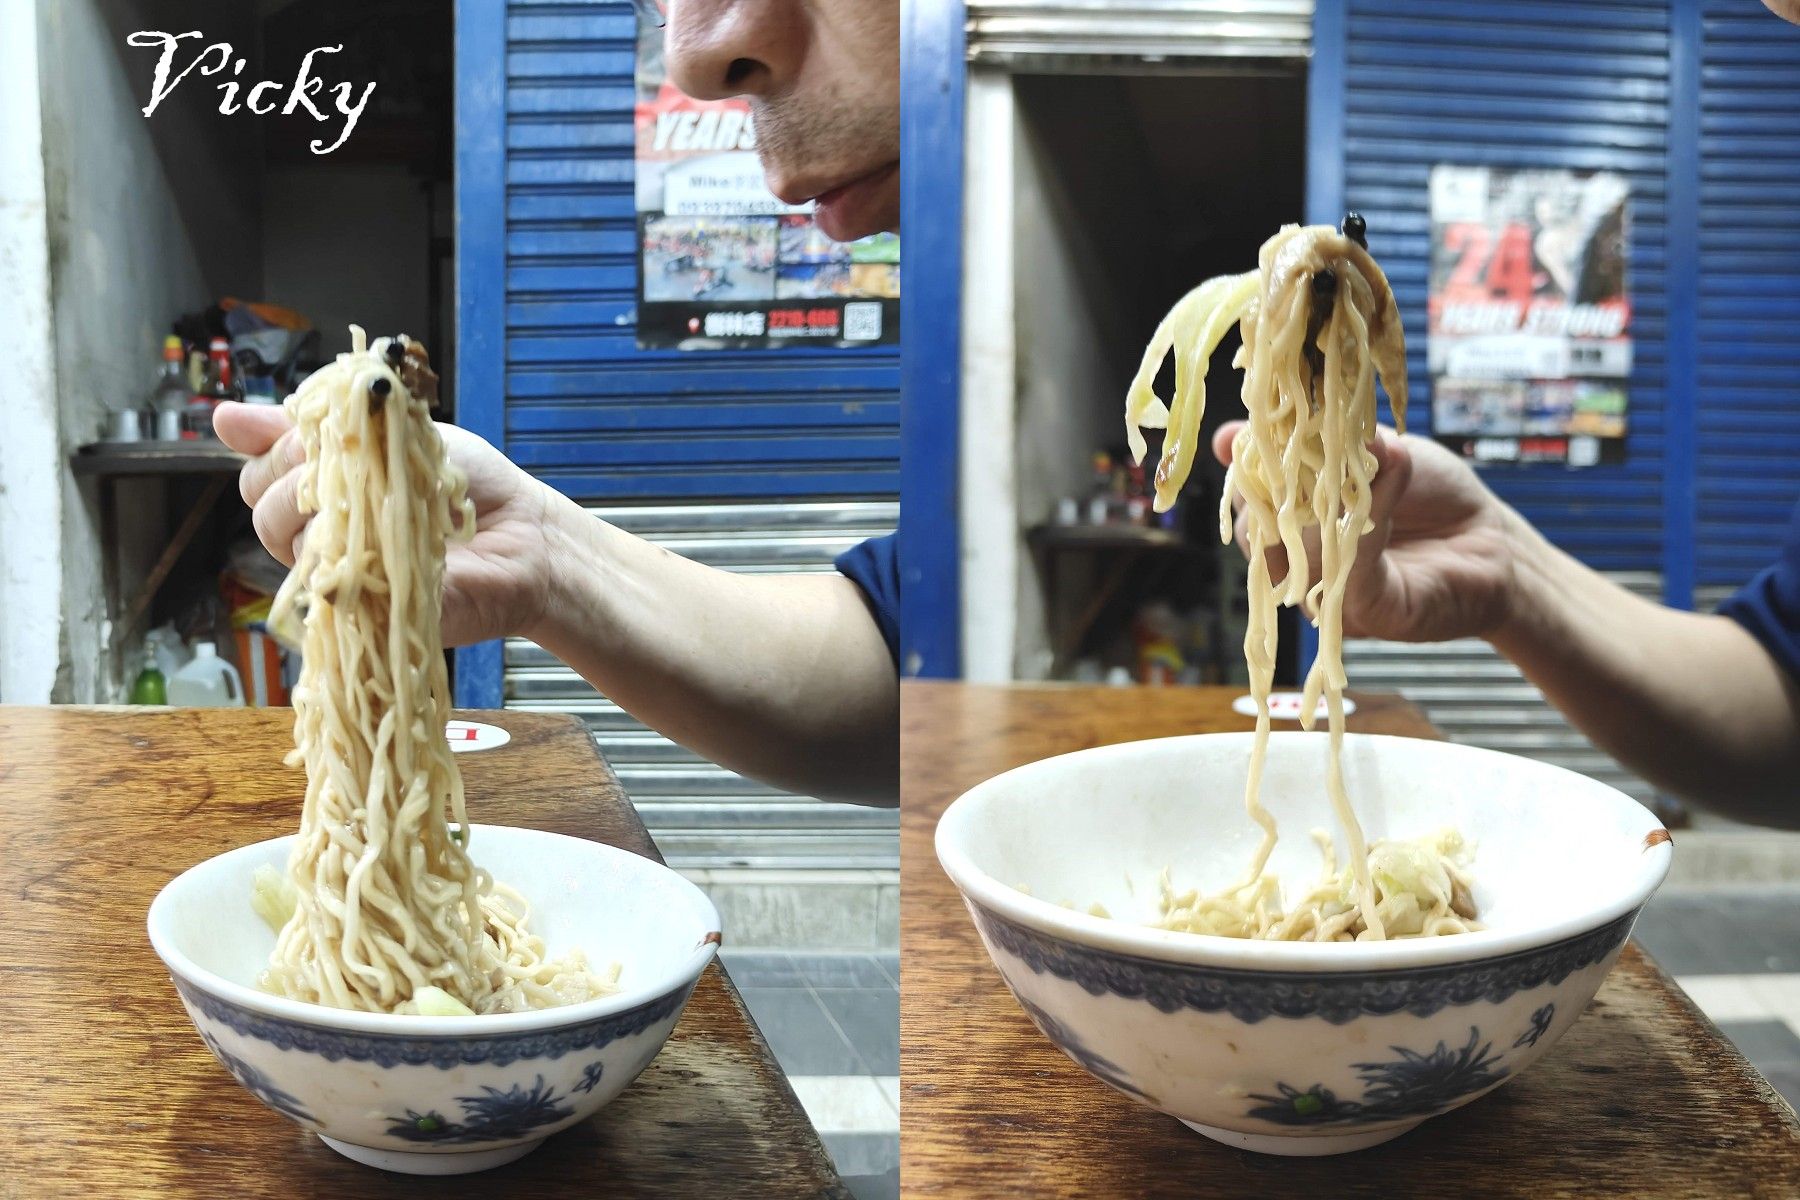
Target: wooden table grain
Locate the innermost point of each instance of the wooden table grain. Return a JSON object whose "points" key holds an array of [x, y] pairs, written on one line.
{"points": [[1642, 1098], [106, 1090]]}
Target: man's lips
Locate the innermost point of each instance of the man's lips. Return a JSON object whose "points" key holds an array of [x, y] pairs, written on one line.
{"points": [[838, 192], [801, 193]]}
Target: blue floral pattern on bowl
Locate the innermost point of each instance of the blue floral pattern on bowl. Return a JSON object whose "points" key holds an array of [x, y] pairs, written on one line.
{"points": [[1540, 1025], [1413, 1085], [1100, 1067], [590, 1077], [1336, 996], [258, 1084], [493, 1116], [391, 1050]]}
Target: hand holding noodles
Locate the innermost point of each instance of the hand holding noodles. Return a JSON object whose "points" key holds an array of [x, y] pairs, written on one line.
{"points": [[1319, 323], [384, 911]]}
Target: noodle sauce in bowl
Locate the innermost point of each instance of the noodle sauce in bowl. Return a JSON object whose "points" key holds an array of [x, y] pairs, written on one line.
{"points": [[1297, 1048], [432, 1095]]}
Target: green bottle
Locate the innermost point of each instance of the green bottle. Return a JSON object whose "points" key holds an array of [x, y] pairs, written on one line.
{"points": [[151, 687]]}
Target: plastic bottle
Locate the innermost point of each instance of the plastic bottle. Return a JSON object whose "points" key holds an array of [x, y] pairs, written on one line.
{"points": [[207, 682], [1137, 496], [150, 686], [169, 400], [1099, 507], [171, 652], [218, 387]]}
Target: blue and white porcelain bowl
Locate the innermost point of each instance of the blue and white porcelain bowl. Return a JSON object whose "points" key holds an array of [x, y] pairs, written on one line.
{"points": [[1294, 1047], [446, 1095]]}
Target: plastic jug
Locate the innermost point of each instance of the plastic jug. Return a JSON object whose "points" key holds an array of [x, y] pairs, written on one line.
{"points": [[207, 682]]}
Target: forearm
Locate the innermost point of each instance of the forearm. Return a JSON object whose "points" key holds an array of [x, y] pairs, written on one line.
{"points": [[782, 678], [1689, 701]]}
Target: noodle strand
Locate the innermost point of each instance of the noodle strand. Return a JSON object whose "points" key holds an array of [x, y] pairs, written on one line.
{"points": [[1301, 462], [386, 900]]}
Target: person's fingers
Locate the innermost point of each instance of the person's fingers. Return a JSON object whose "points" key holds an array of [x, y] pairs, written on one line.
{"points": [[267, 435], [1393, 472], [472, 612], [1277, 558], [250, 428], [278, 462], [457, 625], [278, 520], [1368, 579], [1222, 439]]}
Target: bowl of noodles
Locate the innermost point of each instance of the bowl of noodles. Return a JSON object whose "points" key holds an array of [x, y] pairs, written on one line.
{"points": [[1183, 957], [621, 942], [427, 994]]}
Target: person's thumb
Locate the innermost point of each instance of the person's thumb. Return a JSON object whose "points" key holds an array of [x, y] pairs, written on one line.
{"points": [[1368, 579], [1222, 440], [1393, 472]]}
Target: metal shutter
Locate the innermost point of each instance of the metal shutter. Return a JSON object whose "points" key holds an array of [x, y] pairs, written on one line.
{"points": [[586, 409], [1478, 698], [701, 814], [1038, 32], [750, 460], [1581, 84], [1748, 362]]}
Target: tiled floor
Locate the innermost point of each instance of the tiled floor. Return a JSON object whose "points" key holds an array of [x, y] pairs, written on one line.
{"points": [[833, 1021], [1737, 953]]}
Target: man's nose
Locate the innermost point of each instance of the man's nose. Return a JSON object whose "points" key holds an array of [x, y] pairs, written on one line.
{"points": [[717, 49]]}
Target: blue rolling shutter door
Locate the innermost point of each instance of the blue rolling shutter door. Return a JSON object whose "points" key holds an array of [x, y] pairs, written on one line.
{"points": [[1581, 84], [759, 461], [1400, 85], [1748, 361], [585, 409]]}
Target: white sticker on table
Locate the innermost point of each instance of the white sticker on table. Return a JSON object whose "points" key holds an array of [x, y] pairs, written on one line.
{"points": [[1285, 706], [468, 736]]}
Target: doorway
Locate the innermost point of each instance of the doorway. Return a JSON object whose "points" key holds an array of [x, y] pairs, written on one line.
{"points": [[1094, 201]]}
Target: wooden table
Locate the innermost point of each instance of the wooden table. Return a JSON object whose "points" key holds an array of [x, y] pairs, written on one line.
{"points": [[1642, 1098], [105, 1089]]}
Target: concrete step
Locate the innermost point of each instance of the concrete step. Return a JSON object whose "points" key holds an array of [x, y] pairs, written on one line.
{"points": [[1735, 856], [805, 910]]}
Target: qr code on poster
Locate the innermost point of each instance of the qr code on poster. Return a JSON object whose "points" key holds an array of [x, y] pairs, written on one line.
{"points": [[862, 322]]}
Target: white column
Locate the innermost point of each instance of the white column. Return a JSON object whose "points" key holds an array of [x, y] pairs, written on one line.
{"points": [[30, 455], [989, 469]]}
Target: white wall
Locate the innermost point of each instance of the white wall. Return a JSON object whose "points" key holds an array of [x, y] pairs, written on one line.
{"points": [[143, 219], [988, 483], [347, 244], [1070, 394], [111, 226], [1036, 380], [30, 499]]}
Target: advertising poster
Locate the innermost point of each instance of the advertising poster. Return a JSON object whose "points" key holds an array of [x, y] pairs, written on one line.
{"points": [[722, 262], [1530, 322]]}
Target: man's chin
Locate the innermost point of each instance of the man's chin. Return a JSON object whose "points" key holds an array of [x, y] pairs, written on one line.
{"points": [[849, 231], [867, 207]]}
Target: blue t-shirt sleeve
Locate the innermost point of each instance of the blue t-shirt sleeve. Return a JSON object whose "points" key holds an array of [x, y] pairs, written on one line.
{"points": [[1769, 605], [874, 566]]}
